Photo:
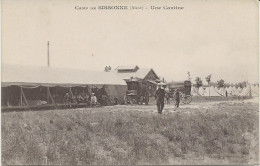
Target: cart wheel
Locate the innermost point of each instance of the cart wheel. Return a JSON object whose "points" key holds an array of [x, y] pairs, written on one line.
{"points": [[173, 101], [187, 99], [131, 101], [141, 100]]}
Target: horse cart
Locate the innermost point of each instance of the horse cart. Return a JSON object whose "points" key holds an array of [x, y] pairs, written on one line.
{"points": [[184, 89], [137, 92]]}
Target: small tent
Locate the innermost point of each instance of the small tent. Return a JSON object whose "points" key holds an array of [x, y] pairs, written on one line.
{"points": [[246, 91], [255, 90], [211, 91], [239, 89], [194, 91], [201, 91]]}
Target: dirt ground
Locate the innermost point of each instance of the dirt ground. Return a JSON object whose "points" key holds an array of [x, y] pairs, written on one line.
{"points": [[168, 109]]}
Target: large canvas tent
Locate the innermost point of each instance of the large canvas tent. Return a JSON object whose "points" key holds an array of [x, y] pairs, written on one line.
{"points": [[18, 78]]}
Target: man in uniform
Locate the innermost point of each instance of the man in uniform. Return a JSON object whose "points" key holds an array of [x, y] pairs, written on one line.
{"points": [[66, 98], [159, 97], [93, 100]]}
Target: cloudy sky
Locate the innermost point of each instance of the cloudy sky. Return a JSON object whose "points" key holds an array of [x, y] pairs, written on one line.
{"points": [[207, 37]]}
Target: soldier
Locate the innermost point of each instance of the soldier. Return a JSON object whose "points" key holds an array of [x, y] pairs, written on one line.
{"points": [[93, 100], [177, 98], [66, 98], [159, 97]]}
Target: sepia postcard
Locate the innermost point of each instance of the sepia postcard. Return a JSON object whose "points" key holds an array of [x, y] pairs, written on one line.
{"points": [[138, 82]]}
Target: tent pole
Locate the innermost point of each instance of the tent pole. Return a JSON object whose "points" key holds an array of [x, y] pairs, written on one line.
{"points": [[71, 92], [21, 97], [51, 97], [48, 94], [26, 102]]}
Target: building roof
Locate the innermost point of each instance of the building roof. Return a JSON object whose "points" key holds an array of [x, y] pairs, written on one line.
{"points": [[49, 76], [140, 73], [126, 67]]}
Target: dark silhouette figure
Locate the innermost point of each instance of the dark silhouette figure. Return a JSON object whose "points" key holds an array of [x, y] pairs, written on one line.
{"points": [[159, 97], [177, 98]]}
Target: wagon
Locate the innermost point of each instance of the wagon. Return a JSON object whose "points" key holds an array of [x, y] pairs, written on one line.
{"points": [[184, 89], [137, 92]]}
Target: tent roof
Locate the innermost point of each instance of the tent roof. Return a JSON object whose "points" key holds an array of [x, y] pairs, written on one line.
{"points": [[25, 75]]}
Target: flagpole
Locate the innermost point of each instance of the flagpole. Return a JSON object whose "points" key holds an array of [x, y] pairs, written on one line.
{"points": [[48, 53]]}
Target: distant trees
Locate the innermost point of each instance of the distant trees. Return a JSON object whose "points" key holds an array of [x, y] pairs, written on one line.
{"points": [[241, 84], [198, 82], [237, 85], [208, 78], [221, 83]]}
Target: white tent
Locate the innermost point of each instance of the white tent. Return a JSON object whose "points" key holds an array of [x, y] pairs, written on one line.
{"points": [[201, 91], [211, 91], [229, 90], [239, 90], [235, 91], [221, 91], [194, 91], [206, 91], [255, 90], [246, 91]]}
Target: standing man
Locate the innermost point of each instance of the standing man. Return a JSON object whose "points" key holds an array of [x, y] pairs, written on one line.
{"points": [[159, 97], [177, 98], [93, 100]]}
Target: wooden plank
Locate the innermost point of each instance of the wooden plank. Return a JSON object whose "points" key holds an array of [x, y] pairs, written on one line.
{"points": [[48, 95], [53, 102], [42, 106], [12, 107], [66, 104]]}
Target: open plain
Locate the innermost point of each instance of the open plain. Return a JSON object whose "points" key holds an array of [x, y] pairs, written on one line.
{"points": [[203, 132]]}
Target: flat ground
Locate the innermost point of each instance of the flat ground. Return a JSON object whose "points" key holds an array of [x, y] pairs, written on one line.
{"points": [[203, 132]]}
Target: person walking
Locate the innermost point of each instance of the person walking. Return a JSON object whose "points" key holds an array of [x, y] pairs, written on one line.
{"points": [[159, 97], [177, 98]]}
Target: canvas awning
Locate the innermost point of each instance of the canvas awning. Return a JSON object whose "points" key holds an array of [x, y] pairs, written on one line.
{"points": [[32, 76]]}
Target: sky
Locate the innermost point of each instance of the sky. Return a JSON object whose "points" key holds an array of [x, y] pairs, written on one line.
{"points": [[206, 37]]}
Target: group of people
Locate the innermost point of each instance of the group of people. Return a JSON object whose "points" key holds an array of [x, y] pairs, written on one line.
{"points": [[81, 98], [161, 94]]}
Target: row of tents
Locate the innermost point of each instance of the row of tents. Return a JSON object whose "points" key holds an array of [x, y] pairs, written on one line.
{"points": [[249, 90]]}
